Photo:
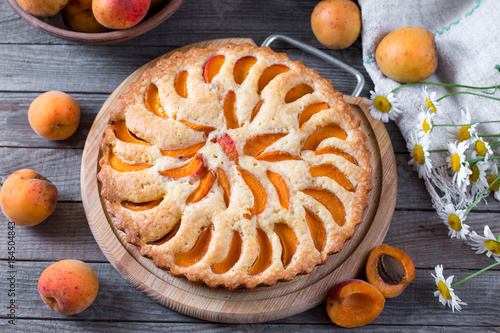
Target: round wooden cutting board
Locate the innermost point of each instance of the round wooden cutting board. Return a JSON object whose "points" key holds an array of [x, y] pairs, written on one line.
{"points": [[242, 305]]}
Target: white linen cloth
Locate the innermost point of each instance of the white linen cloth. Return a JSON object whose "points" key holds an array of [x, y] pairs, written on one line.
{"points": [[467, 35]]}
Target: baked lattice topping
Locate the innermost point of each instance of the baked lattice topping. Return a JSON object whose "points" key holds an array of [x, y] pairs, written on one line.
{"points": [[235, 166]]}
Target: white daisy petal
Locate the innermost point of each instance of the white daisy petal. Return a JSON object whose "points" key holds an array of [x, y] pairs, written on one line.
{"points": [[383, 107]]}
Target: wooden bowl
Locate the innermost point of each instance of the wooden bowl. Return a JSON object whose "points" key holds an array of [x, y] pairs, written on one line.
{"points": [[54, 25]]}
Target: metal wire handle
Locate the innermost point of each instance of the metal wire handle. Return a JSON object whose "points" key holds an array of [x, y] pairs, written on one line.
{"points": [[322, 55]]}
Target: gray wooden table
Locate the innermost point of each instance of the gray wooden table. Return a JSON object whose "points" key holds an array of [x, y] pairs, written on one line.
{"points": [[32, 62]]}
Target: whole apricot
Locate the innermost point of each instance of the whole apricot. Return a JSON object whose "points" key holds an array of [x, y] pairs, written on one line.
{"points": [[27, 198], [78, 16], [120, 14], [407, 54], [354, 303], [336, 23], [68, 286], [54, 115], [390, 270], [42, 7]]}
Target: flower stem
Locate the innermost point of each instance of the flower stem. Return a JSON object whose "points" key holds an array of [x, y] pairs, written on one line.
{"points": [[467, 92], [474, 160], [460, 125], [437, 150], [480, 196], [477, 273], [444, 85], [488, 135]]}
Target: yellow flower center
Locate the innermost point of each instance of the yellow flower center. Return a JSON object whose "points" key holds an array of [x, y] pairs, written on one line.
{"points": [[455, 162], [463, 133], [431, 105], [418, 154], [480, 148], [491, 179], [382, 104], [493, 246], [443, 289], [425, 126], [475, 173], [454, 222]]}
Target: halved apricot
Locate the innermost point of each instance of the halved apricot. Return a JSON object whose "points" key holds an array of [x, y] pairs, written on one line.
{"points": [[310, 111], [152, 100], [258, 191], [180, 84], [229, 147], [168, 236], [224, 183], [207, 179], [140, 206], [212, 67], [354, 303], [269, 74], [122, 133], [281, 188], [390, 270], [116, 163], [330, 201], [185, 152], [256, 109], [332, 172], [264, 258], [317, 229], [288, 242], [258, 143], [232, 257], [336, 151], [197, 252], [242, 68], [277, 156], [191, 168], [321, 134], [229, 109], [297, 92]]}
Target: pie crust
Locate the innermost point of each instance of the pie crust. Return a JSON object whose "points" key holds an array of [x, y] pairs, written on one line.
{"points": [[235, 166]]}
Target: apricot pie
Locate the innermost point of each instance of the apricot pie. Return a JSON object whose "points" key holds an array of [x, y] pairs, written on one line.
{"points": [[234, 166]]}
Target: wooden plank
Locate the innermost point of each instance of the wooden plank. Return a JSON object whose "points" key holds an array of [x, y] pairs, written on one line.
{"points": [[117, 300], [38, 67], [60, 166], [421, 234]]}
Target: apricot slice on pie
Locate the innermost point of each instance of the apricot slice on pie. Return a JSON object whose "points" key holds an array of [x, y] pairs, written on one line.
{"points": [[321, 134], [310, 111], [122, 133], [191, 168], [269, 74], [197, 252], [330, 201], [116, 163], [332, 172], [258, 191], [212, 67], [336, 151], [242, 68], [152, 100], [258, 143], [298, 92], [264, 258], [232, 256], [207, 179]]}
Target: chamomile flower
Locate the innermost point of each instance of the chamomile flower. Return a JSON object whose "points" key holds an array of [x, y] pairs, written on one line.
{"points": [[488, 243], [383, 107], [478, 178], [430, 100], [445, 291], [462, 133], [481, 148], [454, 220], [425, 123], [418, 148], [491, 178], [458, 164]]}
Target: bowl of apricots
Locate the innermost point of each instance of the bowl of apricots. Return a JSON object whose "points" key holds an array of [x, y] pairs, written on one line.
{"points": [[95, 22]]}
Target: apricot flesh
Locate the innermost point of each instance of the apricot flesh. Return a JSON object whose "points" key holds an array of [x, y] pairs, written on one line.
{"points": [[27, 198], [354, 303], [407, 54], [68, 286], [390, 270], [54, 115]]}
